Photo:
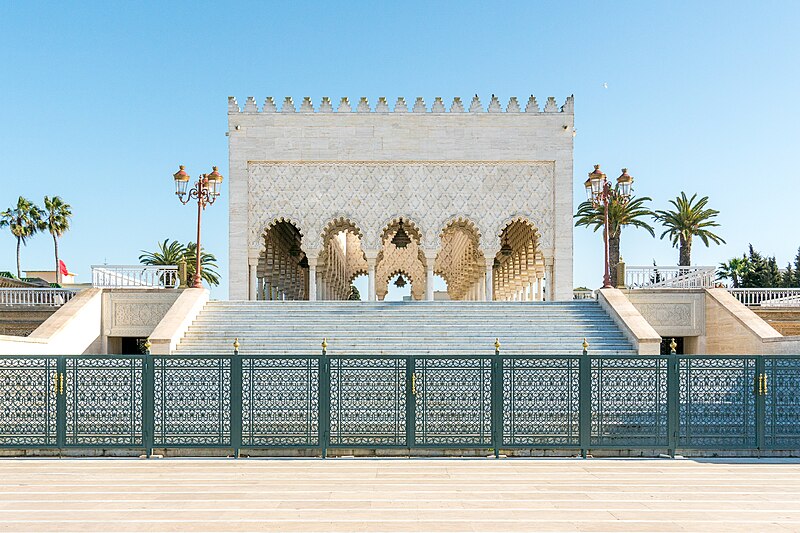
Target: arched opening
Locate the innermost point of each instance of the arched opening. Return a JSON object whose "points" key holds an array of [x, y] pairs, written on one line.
{"points": [[460, 262], [341, 260], [282, 269], [518, 270], [401, 253], [400, 288], [359, 288]]}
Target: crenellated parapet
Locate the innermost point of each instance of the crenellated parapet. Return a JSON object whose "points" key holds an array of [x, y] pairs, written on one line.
{"points": [[401, 105]]}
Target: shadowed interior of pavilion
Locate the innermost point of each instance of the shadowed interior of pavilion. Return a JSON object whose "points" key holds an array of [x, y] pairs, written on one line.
{"points": [[515, 273]]}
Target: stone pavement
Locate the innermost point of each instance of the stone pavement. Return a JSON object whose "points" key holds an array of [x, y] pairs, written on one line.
{"points": [[399, 495]]}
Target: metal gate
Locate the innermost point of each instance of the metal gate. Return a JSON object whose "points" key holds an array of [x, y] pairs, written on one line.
{"points": [[345, 402]]}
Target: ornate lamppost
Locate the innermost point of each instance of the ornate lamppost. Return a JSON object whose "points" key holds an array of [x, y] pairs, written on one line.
{"points": [[206, 191], [599, 192]]}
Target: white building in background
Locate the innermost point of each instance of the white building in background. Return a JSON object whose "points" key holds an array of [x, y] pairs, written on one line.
{"points": [[318, 193]]}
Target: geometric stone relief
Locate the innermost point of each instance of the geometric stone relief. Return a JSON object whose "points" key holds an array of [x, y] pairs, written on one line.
{"points": [[667, 314], [371, 194], [139, 314]]}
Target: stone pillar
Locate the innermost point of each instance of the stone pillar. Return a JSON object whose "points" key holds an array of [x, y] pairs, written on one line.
{"points": [[430, 259], [319, 285], [372, 261], [489, 278], [539, 287], [312, 278], [260, 293], [551, 281], [481, 288], [253, 285]]}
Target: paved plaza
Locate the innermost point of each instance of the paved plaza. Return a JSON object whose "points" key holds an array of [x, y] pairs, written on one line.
{"points": [[399, 495]]}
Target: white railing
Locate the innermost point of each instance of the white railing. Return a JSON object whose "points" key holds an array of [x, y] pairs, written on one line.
{"points": [[768, 297], [583, 295], [135, 277], [670, 277], [36, 296]]}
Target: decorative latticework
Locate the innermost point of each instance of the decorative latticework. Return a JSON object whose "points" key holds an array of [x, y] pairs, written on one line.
{"points": [[28, 396], [782, 403], [541, 402], [453, 402], [629, 402], [104, 401], [717, 402], [192, 401], [368, 402], [280, 401]]}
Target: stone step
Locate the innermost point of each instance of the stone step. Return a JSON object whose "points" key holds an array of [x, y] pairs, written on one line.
{"points": [[404, 328]]}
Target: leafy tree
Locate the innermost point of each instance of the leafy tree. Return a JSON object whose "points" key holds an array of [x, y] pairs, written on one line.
{"points": [[172, 253], [56, 215], [354, 293], [620, 214], [734, 269], [24, 221], [688, 219], [796, 282], [761, 272], [787, 277]]}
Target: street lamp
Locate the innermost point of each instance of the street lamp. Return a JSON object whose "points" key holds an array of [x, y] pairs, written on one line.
{"points": [[599, 192], [206, 191]]}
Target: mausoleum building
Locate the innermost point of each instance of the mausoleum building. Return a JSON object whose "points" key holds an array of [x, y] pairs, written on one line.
{"points": [[478, 194]]}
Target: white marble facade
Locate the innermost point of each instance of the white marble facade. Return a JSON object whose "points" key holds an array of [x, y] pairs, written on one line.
{"points": [[363, 167]]}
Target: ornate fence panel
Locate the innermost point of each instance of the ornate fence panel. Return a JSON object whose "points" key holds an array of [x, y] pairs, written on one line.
{"points": [[104, 401], [453, 401], [629, 402], [782, 402], [482, 402], [717, 398], [541, 402], [280, 401], [192, 401], [368, 401], [28, 402]]}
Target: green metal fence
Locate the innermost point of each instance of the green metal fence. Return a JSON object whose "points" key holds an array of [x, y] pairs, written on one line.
{"points": [[322, 402]]}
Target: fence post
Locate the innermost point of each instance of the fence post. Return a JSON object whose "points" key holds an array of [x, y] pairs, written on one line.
{"points": [[497, 399], [673, 400], [324, 399], [761, 404], [585, 399], [148, 401], [236, 400]]}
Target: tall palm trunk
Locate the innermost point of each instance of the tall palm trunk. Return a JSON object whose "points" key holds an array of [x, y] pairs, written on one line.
{"points": [[58, 265], [19, 271], [685, 258], [613, 257]]}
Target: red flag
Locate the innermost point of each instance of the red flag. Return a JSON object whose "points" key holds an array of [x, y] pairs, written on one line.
{"points": [[63, 268]]}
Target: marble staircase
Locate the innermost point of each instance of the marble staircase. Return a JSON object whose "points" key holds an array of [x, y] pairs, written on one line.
{"points": [[404, 328]]}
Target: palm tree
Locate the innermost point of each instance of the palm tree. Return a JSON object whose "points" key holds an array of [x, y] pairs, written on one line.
{"points": [[621, 213], [734, 269], [208, 265], [57, 214], [688, 219], [24, 220], [173, 253]]}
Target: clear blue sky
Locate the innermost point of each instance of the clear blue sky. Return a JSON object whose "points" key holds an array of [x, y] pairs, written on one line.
{"points": [[101, 102]]}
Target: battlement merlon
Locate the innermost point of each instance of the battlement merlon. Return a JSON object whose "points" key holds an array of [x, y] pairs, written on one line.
{"points": [[401, 106]]}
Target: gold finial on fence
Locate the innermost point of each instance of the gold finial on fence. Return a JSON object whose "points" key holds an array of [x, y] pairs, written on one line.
{"points": [[236, 346], [496, 345], [147, 346], [324, 345], [585, 346], [673, 346]]}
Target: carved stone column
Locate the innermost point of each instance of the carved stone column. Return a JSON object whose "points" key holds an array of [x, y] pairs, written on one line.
{"points": [[312, 278], [253, 284], [489, 280], [372, 261]]}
